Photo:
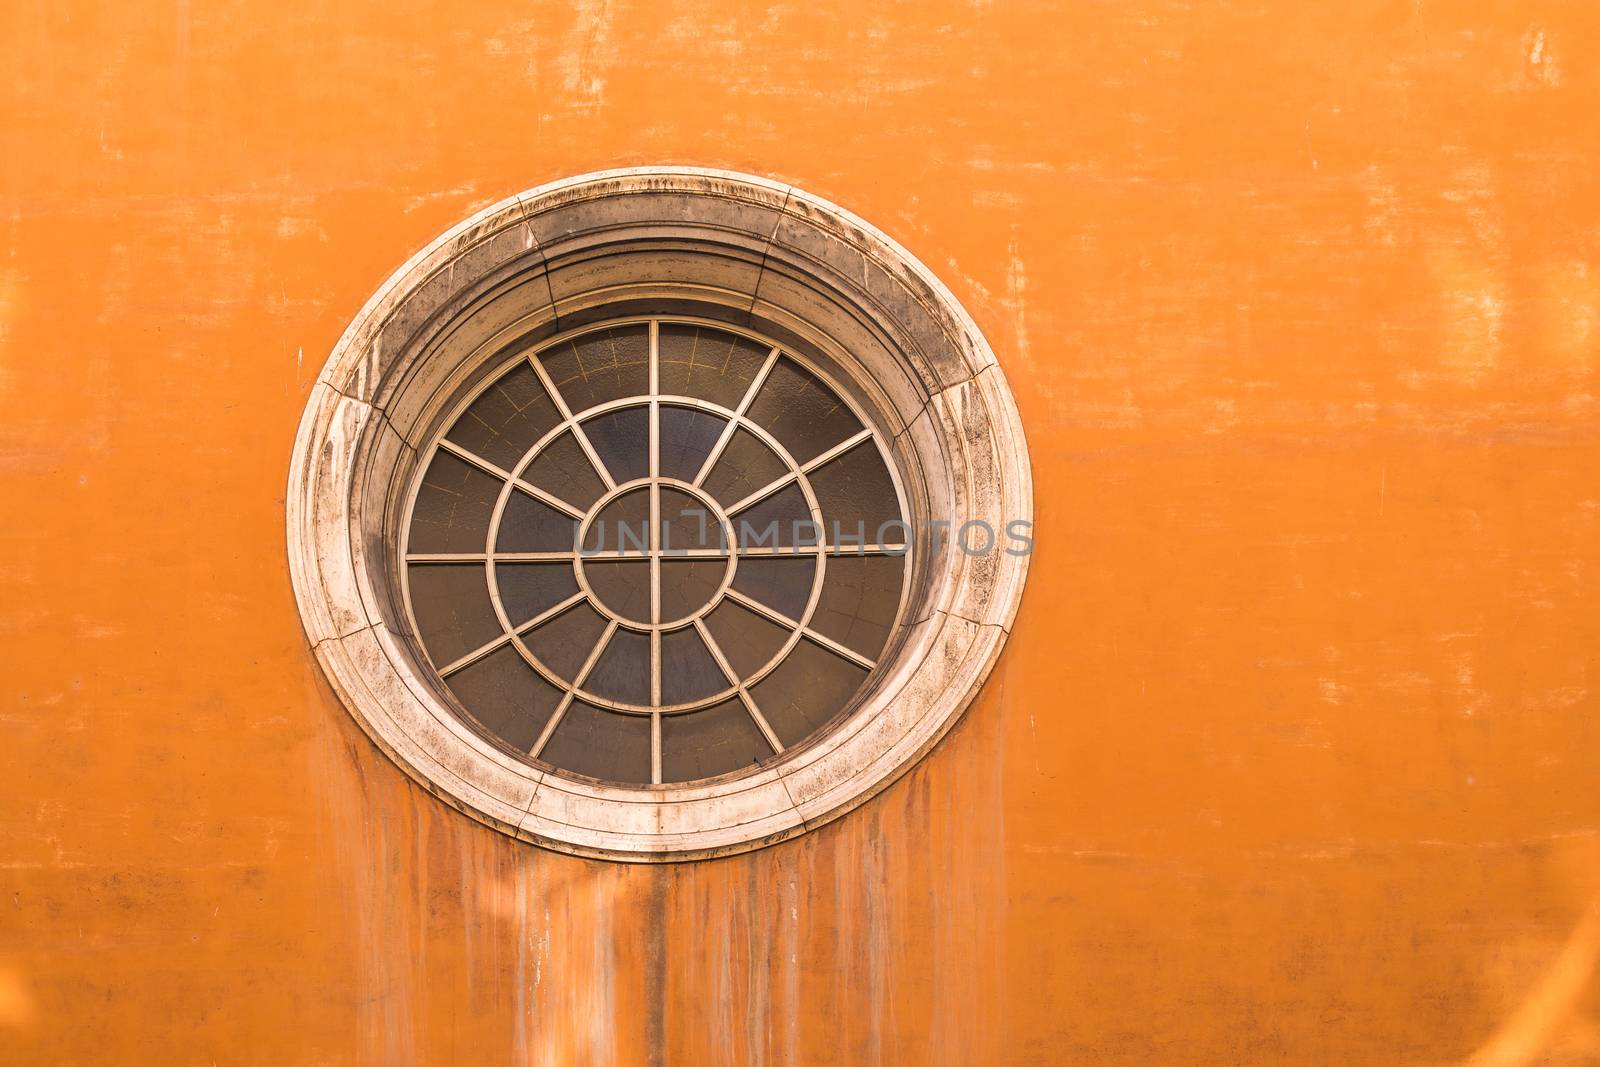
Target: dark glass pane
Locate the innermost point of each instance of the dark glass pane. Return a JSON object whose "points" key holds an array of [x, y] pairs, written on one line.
{"points": [[806, 690], [782, 583], [563, 644], [780, 519], [506, 696], [704, 744], [453, 507], [623, 525], [529, 525], [623, 670], [687, 523], [857, 498], [747, 640], [687, 437], [623, 586], [708, 363], [608, 745], [510, 700], [566, 473], [451, 604], [804, 415], [600, 366], [687, 585], [744, 466], [622, 441], [507, 419], [527, 589], [688, 671], [860, 596]]}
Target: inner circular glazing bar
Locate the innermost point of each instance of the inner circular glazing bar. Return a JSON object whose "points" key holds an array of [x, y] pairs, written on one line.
{"points": [[653, 550]]}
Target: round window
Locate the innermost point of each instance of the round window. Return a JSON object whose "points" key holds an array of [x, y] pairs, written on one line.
{"points": [[655, 551], [659, 513]]}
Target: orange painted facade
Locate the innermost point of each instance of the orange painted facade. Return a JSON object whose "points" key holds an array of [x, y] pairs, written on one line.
{"points": [[1290, 759]]}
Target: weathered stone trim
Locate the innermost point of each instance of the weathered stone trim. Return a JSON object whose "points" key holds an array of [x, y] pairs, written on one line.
{"points": [[724, 246]]}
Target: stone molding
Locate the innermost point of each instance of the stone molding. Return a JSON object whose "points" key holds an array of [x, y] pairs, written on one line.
{"points": [[726, 247]]}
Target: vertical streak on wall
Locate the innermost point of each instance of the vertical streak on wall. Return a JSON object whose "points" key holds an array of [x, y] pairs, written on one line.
{"points": [[372, 836], [868, 937], [657, 963]]}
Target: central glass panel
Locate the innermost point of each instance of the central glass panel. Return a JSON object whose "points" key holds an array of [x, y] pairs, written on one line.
{"points": [[656, 555]]}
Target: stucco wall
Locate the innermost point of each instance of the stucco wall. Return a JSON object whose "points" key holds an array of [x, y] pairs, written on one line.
{"points": [[1291, 756]]}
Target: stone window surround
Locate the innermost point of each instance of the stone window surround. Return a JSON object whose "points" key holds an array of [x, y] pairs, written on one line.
{"points": [[674, 240]]}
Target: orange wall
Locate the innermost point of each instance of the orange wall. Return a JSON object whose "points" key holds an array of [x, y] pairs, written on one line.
{"points": [[1291, 759]]}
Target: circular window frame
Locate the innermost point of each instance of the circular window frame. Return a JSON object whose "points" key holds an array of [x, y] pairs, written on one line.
{"points": [[737, 251]]}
